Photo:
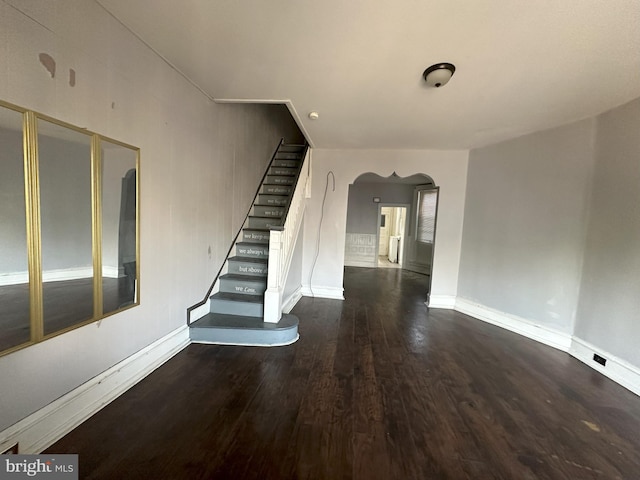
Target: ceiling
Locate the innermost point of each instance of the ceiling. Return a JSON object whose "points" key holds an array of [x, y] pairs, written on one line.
{"points": [[521, 65]]}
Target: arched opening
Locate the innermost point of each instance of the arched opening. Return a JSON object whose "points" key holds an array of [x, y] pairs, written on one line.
{"points": [[391, 222]]}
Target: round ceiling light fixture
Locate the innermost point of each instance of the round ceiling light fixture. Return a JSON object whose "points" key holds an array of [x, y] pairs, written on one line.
{"points": [[314, 115], [439, 74]]}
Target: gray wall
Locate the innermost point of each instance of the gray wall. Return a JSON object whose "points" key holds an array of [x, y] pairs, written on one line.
{"points": [[361, 240], [362, 212], [609, 307], [13, 235], [525, 222], [65, 202]]}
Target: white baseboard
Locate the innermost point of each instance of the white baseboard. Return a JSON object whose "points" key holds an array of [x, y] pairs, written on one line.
{"points": [[290, 302], [109, 271], [527, 328], [44, 427], [618, 370], [323, 292], [442, 301], [61, 274], [360, 263]]}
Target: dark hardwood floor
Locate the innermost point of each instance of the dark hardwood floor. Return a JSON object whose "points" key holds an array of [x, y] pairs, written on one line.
{"points": [[65, 303], [377, 387]]}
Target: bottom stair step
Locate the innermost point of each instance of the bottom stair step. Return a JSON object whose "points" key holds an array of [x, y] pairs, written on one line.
{"points": [[236, 330], [237, 304]]}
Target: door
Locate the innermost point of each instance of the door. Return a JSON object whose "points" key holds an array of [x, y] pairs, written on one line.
{"points": [[383, 237], [420, 241]]}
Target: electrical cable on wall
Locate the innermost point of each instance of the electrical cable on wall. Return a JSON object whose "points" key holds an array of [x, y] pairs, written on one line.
{"points": [[324, 198]]}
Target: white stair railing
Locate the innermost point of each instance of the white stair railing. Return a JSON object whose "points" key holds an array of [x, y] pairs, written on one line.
{"points": [[282, 242]]}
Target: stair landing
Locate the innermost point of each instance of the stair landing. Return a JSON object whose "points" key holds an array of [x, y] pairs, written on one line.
{"points": [[224, 329]]}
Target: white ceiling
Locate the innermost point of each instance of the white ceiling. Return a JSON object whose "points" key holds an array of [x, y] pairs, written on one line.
{"points": [[522, 65]]}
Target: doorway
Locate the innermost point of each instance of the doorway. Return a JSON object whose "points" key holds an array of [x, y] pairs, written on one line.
{"points": [[368, 194], [392, 232], [420, 244]]}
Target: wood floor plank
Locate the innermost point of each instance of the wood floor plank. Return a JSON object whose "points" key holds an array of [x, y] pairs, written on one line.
{"points": [[377, 387]]}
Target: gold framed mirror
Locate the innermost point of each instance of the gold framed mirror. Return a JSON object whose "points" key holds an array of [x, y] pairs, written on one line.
{"points": [[69, 243]]}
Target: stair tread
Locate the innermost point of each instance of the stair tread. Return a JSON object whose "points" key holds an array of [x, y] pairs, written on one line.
{"points": [[222, 320], [238, 297], [267, 205], [246, 244], [238, 258], [238, 277]]}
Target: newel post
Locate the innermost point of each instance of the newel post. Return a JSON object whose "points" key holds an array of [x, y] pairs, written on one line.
{"points": [[273, 294]]}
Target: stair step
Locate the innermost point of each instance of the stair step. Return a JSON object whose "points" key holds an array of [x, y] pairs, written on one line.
{"points": [[243, 284], [283, 171], [269, 199], [248, 266], [264, 222], [237, 304], [253, 250], [283, 162], [241, 330], [291, 147], [256, 235], [276, 189], [283, 155], [279, 180], [270, 211]]}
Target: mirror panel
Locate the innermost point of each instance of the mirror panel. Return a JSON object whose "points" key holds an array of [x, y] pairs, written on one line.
{"points": [[119, 226], [14, 276], [66, 230]]}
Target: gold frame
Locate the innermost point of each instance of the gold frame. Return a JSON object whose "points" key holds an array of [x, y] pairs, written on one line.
{"points": [[33, 223]]}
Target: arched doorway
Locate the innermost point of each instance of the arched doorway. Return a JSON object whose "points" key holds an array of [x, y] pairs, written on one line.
{"points": [[370, 196]]}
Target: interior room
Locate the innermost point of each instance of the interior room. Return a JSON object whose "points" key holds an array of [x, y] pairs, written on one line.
{"points": [[463, 270]]}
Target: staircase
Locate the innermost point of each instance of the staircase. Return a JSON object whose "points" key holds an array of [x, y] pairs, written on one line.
{"points": [[236, 309]]}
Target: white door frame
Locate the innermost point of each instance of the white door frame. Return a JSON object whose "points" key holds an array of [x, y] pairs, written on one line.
{"points": [[406, 225]]}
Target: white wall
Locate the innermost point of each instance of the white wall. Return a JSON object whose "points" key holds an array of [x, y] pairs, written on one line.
{"points": [[200, 166], [448, 170], [294, 276], [609, 307], [525, 225]]}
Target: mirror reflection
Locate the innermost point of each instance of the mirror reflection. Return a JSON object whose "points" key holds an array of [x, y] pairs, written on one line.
{"points": [[69, 223], [119, 266], [66, 231], [14, 275]]}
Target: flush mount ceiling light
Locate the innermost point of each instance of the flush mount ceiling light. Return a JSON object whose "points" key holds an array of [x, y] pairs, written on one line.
{"points": [[439, 74]]}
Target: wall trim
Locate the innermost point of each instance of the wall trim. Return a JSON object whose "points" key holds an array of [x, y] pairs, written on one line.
{"points": [[360, 263], [618, 370], [540, 333], [323, 292], [291, 301], [442, 301], [47, 425], [60, 274]]}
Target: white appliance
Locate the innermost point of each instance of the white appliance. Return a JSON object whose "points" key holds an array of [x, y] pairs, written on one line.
{"points": [[394, 246]]}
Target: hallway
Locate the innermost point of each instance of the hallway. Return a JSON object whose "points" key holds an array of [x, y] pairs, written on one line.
{"points": [[377, 387]]}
